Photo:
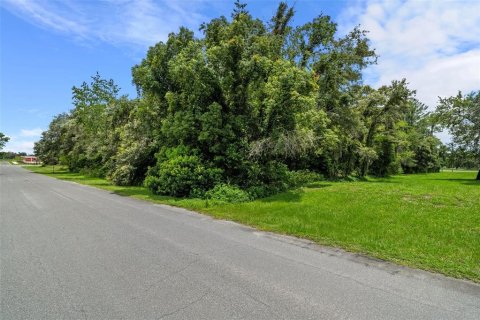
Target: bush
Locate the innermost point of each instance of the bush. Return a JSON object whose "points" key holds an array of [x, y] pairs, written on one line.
{"points": [[93, 172], [182, 175], [129, 166], [274, 178], [272, 174], [123, 175], [302, 177], [265, 179], [227, 193], [259, 191]]}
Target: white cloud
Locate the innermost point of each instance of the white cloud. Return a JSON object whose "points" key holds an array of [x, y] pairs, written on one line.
{"points": [[41, 12], [124, 22], [19, 145], [435, 45], [31, 132], [23, 142]]}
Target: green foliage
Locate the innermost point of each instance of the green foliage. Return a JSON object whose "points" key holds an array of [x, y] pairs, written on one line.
{"points": [[11, 155], [3, 140], [266, 179], [427, 221], [227, 193], [303, 177], [245, 104], [123, 175], [180, 173], [457, 157], [52, 145], [461, 115]]}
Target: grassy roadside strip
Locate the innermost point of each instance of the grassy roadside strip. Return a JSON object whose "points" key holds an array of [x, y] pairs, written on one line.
{"points": [[429, 221]]}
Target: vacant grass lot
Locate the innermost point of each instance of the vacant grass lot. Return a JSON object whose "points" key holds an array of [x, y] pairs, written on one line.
{"points": [[429, 221]]}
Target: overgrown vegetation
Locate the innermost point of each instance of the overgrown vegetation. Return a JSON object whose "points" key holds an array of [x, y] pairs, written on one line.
{"points": [[428, 221], [245, 106], [3, 140], [461, 115]]}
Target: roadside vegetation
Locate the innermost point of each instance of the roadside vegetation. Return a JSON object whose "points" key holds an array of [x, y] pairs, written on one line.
{"points": [[268, 124], [427, 221], [249, 104], [3, 140]]}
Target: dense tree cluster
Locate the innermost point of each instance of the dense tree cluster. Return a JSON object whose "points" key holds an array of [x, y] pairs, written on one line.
{"points": [[250, 105], [461, 115], [3, 140], [10, 155]]}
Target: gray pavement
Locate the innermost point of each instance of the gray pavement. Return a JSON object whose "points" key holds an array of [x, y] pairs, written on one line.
{"points": [[74, 252]]}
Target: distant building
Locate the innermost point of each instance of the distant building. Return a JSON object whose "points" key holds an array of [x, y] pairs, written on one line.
{"points": [[30, 160]]}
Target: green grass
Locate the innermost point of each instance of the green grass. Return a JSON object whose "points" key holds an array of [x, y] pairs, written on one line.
{"points": [[429, 221]]}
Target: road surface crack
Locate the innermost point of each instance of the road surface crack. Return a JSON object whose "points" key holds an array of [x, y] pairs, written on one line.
{"points": [[169, 276], [184, 307]]}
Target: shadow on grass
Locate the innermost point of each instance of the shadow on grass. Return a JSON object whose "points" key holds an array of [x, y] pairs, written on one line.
{"points": [[317, 185], [383, 181], [369, 179], [289, 196], [372, 179], [294, 195], [128, 192], [56, 172], [465, 181], [143, 193]]}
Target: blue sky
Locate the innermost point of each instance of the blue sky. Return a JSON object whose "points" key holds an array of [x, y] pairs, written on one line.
{"points": [[49, 46]]}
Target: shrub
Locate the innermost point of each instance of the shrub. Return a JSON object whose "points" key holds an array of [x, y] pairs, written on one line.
{"points": [[272, 174], [259, 191], [181, 175], [123, 175], [266, 179], [227, 193], [93, 172], [130, 164]]}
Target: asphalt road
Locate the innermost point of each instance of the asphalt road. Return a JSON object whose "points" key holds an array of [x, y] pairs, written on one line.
{"points": [[74, 252]]}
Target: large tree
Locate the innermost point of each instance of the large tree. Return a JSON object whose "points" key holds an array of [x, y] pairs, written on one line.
{"points": [[50, 147], [461, 115], [246, 103], [3, 140]]}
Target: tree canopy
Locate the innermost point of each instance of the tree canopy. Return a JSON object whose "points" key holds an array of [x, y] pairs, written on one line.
{"points": [[3, 140], [461, 115], [249, 104]]}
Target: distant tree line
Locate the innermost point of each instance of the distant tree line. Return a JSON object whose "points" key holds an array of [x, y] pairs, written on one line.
{"points": [[251, 105], [10, 155], [461, 115], [3, 140]]}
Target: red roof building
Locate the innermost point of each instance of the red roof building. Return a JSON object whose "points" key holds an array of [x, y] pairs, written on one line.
{"points": [[30, 160]]}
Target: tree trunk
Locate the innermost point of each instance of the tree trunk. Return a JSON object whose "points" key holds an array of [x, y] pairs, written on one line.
{"points": [[364, 168], [478, 175]]}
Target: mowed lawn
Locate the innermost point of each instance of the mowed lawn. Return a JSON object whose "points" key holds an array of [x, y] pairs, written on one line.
{"points": [[427, 221]]}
